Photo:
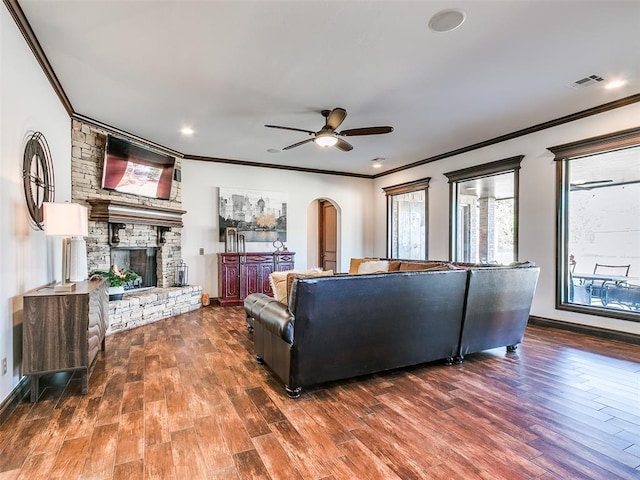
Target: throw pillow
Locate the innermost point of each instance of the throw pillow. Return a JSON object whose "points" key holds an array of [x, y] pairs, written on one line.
{"points": [[278, 282], [373, 267], [354, 265], [291, 276], [394, 265], [415, 266]]}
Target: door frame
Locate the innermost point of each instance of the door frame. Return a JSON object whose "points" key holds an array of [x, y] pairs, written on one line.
{"points": [[313, 232]]}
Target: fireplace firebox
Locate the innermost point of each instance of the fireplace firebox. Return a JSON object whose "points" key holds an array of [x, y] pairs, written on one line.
{"points": [[140, 260]]}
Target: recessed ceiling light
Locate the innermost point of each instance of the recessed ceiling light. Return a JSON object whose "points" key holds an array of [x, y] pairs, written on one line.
{"points": [[274, 150], [447, 20], [615, 84], [187, 131]]}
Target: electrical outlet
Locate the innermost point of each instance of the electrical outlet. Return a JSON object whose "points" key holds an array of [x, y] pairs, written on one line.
{"points": [[4, 366]]}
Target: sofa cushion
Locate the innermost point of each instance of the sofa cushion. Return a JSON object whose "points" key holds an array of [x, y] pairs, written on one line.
{"points": [[280, 284], [373, 267], [354, 265], [415, 266]]}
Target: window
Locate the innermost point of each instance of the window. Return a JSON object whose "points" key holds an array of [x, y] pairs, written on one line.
{"points": [[484, 212], [407, 220], [598, 269]]}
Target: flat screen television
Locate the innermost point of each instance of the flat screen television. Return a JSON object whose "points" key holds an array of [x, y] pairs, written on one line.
{"points": [[129, 168]]}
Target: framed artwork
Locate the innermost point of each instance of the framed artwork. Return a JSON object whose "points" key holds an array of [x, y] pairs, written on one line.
{"points": [[258, 215]]}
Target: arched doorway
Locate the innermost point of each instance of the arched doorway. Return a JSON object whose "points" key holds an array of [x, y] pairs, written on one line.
{"points": [[327, 235], [323, 234]]}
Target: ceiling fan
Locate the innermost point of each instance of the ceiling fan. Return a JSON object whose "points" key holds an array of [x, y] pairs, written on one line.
{"points": [[327, 135]]}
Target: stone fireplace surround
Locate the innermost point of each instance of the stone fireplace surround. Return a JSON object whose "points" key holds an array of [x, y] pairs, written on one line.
{"points": [[114, 223], [137, 222]]}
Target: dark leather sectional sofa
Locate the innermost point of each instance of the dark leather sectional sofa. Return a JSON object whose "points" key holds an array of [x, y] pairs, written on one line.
{"points": [[344, 326]]}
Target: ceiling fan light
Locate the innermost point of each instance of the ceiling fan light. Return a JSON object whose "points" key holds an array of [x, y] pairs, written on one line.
{"points": [[326, 140]]}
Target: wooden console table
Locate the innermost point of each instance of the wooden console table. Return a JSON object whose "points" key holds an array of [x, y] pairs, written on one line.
{"points": [[63, 330], [240, 274]]}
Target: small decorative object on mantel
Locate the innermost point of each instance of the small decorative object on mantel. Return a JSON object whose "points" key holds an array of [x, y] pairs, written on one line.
{"points": [[182, 272], [277, 244]]}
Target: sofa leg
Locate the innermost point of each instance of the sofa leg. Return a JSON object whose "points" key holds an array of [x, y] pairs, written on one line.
{"points": [[293, 392], [512, 348], [459, 359], [448, 361], [259, 359]]}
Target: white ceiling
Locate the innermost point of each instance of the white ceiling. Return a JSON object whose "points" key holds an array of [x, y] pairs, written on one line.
{"points": [[226, 68]]}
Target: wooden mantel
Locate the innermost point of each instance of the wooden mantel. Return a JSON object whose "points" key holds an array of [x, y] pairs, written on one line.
{"points": [[113, 211]]}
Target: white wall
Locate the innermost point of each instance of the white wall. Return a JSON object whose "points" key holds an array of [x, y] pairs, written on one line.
{"points": [[27, 104], [200, 199], [537, 203]]}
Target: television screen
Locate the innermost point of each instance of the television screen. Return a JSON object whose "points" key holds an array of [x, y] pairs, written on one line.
{"points": [[129, 168]]}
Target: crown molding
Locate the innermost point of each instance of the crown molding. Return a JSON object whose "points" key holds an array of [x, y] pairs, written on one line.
{"points": [[23, 25], [623, 102], [274, 165], [27, 32]]}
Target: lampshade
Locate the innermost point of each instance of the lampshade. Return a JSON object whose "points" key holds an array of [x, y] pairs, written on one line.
{"points": [[325, 140], [65, 219]]}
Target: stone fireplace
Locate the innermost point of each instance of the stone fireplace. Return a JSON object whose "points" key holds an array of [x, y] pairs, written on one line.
{"points": [[122, 229], [136, 233]]}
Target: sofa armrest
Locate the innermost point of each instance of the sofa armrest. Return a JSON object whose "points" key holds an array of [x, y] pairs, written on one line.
{"points": [[276, 318], [256, 302]]}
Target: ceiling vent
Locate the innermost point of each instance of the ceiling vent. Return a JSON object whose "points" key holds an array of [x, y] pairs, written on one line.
{"points": [[587, 81]]}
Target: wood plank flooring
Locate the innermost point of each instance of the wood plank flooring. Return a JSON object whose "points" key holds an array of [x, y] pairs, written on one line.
{"points": [[184, 399]]}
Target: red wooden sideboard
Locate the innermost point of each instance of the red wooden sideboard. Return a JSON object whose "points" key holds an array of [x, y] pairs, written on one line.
{"points": [[243, 273]]}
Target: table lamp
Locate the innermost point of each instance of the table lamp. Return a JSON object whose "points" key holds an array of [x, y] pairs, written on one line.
{"points": [[65, 220]]}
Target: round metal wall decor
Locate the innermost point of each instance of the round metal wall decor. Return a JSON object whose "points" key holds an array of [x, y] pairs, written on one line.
{"points": [[37, 177]]}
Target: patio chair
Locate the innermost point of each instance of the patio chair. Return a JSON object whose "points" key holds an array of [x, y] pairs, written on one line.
{"points": [[597, 287]]}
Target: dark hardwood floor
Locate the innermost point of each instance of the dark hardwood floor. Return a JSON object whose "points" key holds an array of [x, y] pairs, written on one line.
{"points": [[184, 398]]}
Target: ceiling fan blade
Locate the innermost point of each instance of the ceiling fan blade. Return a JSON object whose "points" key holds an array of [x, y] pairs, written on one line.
{"points": [[298, 144], [366, 131], [344, 146], [335, 118], [310, 132]]}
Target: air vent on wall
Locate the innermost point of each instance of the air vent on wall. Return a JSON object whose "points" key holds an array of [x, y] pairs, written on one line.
{"points": [[586, 81]]}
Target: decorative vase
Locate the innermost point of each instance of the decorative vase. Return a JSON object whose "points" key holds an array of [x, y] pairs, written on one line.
{"points": [[115, 293]]}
